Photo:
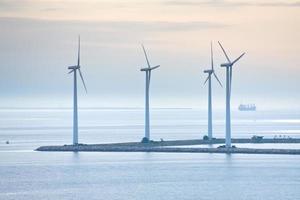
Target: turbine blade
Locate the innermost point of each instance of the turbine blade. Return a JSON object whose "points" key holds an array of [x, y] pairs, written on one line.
{"points": [[206, 80], [238, 58], [82, 80], [146, 56], [71, 71], [154, 67], [78, 61], [212, 56], [218, 79], [224, 52]]}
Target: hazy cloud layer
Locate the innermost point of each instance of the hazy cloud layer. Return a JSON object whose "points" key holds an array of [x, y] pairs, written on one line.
{"points": [[225, 3], [39, 40], [157, 26]]}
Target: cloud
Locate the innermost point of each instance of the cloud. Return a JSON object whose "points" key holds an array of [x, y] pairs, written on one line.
{"points": [[128, 26], [279, 4], [14, 4], [224, 3], [49, 9], [162, 25]]}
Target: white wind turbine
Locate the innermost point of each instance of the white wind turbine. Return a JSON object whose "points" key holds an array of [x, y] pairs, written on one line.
{"points": [[147, 115], [228, 66], [75, 115], [210, 72]]}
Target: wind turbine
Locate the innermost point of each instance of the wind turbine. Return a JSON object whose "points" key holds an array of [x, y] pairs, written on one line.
{"points": [[210, 72], [228, 66], [75, 115], [147, 115]]}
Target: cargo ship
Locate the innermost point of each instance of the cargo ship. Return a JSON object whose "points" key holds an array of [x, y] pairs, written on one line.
{"points": [[247, 107]]}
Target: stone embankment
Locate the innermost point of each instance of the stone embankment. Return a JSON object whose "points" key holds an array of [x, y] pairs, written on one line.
{"points": [[166, 146]]}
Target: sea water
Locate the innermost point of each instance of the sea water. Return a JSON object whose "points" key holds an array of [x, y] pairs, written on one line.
{"points": [[27, 174]]}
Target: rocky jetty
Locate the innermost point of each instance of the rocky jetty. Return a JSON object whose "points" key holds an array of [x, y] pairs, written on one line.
{"points": [[166, 146]]}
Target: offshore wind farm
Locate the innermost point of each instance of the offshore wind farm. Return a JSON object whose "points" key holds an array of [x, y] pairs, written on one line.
{"points": [[165, 99], [148, 145]]}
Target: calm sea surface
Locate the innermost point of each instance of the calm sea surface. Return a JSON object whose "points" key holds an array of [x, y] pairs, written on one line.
{"points": [[26, 174]]}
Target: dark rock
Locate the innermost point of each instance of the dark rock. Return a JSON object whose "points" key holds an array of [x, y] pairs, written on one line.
{"points": [[205, 137], [256, 138], [145, 140]]}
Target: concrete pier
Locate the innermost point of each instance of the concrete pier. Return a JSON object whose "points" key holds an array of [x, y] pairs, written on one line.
{"points": [[166, 146]]}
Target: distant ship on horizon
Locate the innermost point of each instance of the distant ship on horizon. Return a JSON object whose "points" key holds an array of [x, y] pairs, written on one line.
{"points": [[247, 107]]}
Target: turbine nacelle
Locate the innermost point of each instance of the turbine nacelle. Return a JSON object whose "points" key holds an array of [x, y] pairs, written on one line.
{"points": [[226, 64], [150, 68], [209, 71], [74, 67]]}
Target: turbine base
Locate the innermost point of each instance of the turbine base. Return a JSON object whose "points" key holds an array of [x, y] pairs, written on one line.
{"points": [[145, 140]]}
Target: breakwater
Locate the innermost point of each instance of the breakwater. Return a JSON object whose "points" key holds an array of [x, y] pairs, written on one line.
{"points": [[166, 146]]}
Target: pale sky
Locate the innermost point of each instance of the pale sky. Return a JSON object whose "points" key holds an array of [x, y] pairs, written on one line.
{"points": [[38, 40]]}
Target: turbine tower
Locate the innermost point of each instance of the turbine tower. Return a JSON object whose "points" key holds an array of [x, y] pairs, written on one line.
{"points": [[228, 66], [75, 115], [210, 72], [147, 115]]}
